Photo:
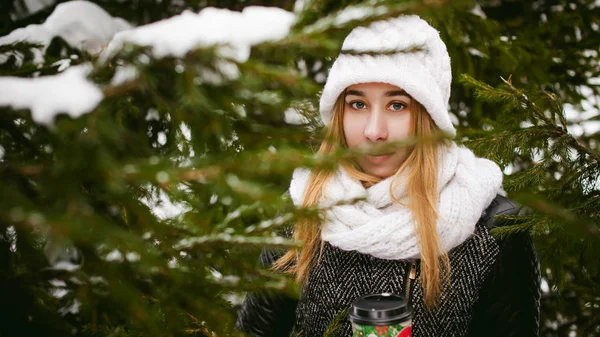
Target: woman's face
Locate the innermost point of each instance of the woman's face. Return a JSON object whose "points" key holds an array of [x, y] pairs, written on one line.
{"points": [[375, 113]]}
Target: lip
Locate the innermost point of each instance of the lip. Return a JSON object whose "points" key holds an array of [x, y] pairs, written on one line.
{"points": [[379, 159]]}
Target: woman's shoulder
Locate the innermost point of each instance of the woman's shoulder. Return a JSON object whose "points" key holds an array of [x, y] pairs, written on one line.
{"points": [[501, 205]]}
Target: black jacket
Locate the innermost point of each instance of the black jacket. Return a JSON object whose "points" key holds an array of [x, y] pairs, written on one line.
{"points": [[508, 303]]}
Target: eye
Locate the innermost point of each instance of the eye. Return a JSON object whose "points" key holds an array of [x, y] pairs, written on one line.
{"points": [[396, 106], [358, 105]]}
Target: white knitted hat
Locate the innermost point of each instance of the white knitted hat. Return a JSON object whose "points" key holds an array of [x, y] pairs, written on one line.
{"points": [[416, 60]]}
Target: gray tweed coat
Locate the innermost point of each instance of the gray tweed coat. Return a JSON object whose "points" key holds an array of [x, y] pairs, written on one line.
{"points": [[493, 289]]}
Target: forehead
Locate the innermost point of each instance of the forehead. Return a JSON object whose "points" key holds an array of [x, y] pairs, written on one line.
{"points": [[373, 87], [375, 91]]}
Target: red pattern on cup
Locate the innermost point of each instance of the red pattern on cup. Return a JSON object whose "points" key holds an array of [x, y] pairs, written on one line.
{"points": [[406, 332]]}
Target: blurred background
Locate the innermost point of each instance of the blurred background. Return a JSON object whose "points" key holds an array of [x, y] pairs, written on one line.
{"points": [[143, 213]]}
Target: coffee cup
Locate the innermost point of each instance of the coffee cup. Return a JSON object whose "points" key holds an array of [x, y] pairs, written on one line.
{"points": [[381, 315]]}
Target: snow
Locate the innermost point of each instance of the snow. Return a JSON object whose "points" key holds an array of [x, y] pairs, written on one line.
{"points": [[269, 223], [32, 33], [476, 52], [11, 234], [190, 242], [123, 75], [36, 5], [349, 13], [352, 13], [65, 265], [87, 26], [582, 125], [62, 64], [114, 256], [68, 92], [233, 215], [163, 207], [477, 11], [58, 292], [236, 32], [82, 24], [152, 115], [300, 6], [185, 131], [58, 283], [294, 117], [26, 8], [71, 309], [97, 280]]}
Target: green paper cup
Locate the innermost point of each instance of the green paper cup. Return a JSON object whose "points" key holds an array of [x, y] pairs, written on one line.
{"points": [[381, 315]]}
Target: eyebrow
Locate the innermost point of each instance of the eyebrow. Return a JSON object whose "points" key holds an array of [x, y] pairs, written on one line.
{"points": [[387, 94]]}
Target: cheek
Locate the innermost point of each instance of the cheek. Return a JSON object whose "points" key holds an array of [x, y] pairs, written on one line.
{"points": [[400, 127], [353, 130]]}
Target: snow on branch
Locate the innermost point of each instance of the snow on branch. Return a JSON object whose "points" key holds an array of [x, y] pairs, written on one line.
{"points": [[236, 31], [68, 92], [82, 24], [87, 26]]}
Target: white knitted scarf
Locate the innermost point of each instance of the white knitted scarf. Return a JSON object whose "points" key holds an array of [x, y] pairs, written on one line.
{"points": [[384, 229]]}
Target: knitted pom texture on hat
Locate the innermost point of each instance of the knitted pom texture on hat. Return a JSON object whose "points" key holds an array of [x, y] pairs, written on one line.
{"points": [[413, 57]]}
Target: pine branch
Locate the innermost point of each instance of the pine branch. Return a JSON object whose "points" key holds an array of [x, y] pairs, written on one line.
{"points": [[521, 224], [561, 131], [583, 227], [335, 323], [534, 176], [206, 241], [120, 90], [353, 52], [516, 97], [377, 9]]}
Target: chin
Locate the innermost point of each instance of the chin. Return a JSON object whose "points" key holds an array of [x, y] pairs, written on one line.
{"points": [[381, 172]]}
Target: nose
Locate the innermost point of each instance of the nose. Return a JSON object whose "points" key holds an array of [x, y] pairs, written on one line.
{"points": [[376, 128]]}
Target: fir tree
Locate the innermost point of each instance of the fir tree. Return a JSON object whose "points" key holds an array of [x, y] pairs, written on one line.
{"points": [[90, 246]]}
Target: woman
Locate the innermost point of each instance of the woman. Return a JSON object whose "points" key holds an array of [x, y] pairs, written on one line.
{"points": [[423, 226]]}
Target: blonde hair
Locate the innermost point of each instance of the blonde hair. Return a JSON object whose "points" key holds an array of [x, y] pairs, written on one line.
{"points": [[421, 168]]}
